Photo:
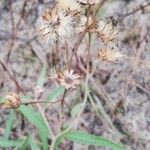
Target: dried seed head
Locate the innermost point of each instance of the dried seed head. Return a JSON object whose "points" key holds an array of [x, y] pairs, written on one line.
{"points": [[90, 25], [47, 15], [66, 78], [107, 32], [11, 100], [109, 55], [89, 1], [69, 79], [57, 24], [69, 5]]}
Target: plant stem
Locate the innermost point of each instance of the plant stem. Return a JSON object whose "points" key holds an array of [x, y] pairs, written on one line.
{"points": [[38, 102]]}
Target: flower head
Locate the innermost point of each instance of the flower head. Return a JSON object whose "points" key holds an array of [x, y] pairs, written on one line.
{"points": [[69, 5], [66, 78], [106, 31], [57, 25], [89, 24], [109, 55], [11, 100]]}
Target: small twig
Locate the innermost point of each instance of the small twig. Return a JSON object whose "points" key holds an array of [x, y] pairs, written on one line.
{"points": [[102, 111], [22, 14], [81, 37], [11, 15], [134, 11], [12, 77], [38, 102], [35, 102], [67, 52], [15, 29], [76, 46], [62, 101]]}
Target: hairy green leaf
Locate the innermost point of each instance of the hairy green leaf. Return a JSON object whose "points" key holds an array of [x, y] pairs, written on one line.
{"points": [[5, 143], [76, 110], [42, 77], [9, 124], [86, 138], [55, 93]]}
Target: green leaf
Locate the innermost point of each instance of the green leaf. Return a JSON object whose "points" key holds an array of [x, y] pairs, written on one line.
{"points": [[56, 92], [76, 110], [9, 124], [42, 77], [33, 144], [57, 141], [1, 98], [5, 143], [86, 138], [34, 117], [25, 144], [44, 140]]}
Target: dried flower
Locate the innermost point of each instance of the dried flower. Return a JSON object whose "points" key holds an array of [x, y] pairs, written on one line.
{"points": [[89, 1], [89, 24], [11, 100], [69, 5], [69, 79], [57, 25], [66, 78], [110, 55], [106, 31]]}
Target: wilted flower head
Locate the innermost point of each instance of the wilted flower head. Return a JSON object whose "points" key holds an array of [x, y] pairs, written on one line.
{"points": [[57, 24], [106, 31], [66, 78], [69, 5], [89, 1], [110, 55], [89, 24], [11, 100]]}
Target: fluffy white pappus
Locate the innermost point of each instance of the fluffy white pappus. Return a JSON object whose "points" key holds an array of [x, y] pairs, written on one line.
{"points": [[69, 5], [82, 24], [58, 25], [106, 31], [66, 27]]}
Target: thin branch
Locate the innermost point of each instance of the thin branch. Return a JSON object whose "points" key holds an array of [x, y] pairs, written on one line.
{"points": [[62, 101], [12, 77], [22, 14], [141, 7], [39, 102], [76, 46]]}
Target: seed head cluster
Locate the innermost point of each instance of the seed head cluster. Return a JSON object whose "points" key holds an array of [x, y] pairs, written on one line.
{"points": [[70, 18]]}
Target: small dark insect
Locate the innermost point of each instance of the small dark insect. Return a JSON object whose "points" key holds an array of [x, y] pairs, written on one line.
{"points": [[112, 20]]}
